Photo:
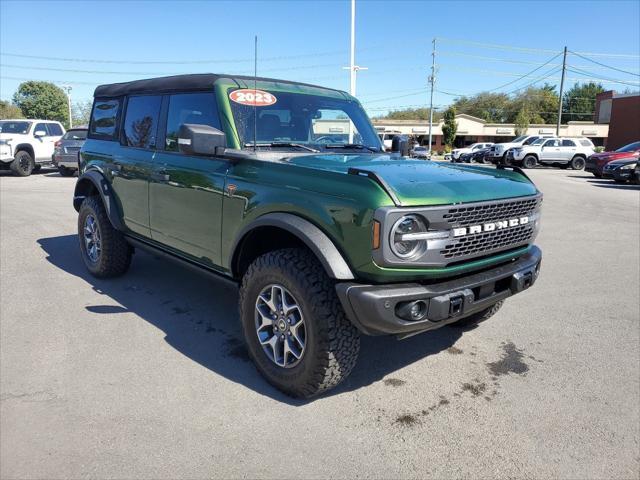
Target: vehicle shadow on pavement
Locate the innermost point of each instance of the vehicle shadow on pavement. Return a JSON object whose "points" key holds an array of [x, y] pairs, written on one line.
{"points": [[199, 317], [606, 183]]}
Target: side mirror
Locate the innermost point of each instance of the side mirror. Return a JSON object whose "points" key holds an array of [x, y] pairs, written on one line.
{"points": [[400, 144], [194, 139], [39, 133]]}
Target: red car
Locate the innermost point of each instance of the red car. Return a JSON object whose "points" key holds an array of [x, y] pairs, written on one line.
{"points": [[597, 161]]}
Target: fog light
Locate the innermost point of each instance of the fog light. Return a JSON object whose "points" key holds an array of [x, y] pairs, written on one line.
{"points": [[412, 311]]}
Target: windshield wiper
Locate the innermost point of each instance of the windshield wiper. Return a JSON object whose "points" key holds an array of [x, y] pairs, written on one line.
{"points": [[282, 144], [355, 146]]}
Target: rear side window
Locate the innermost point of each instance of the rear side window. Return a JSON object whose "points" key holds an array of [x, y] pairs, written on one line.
{"points": [[194, 108], [568, 143], [104, 119], [55, 130], [586, 143], [141, 121]]}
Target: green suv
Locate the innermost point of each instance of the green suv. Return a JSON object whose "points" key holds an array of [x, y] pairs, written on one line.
{"points": [[285, 189]]}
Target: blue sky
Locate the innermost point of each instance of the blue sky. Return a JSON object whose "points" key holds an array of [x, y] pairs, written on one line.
{"points": [[309, 41]]}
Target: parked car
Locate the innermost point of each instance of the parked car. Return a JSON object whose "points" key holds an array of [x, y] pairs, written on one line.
{"points": [[420, 152], [327, 241], [26, 145], [560, 151], [455, 154], [65, 155], [621, 170], [498, 151], [387, 139], [475, 156], [596, 162]]}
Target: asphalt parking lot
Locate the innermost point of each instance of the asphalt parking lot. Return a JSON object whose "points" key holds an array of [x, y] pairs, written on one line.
{"points": [[145, 376]]}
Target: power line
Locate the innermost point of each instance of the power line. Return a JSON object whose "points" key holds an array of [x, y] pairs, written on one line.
{"points": [[498, 46], [526, 74], [544, 77], [603, 65], [621, 56], [604, 79]]}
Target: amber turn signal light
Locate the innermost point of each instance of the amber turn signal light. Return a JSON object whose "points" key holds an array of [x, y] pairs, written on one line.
{"points": [[376, 235]]}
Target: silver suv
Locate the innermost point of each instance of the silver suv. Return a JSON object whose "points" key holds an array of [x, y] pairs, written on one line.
{"points": [[561, 151]]}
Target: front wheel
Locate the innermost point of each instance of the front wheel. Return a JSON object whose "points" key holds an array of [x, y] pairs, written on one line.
{"points": [[104, 250], [577, 163], [22, 164], [293, 323]]}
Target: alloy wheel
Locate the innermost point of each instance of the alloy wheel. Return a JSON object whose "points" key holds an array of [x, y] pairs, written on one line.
{"points": [[92, 241], [280, 326]]}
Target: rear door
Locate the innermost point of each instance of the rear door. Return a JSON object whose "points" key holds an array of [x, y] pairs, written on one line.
{"points": [[133, 161], [568, 149], [186, 191]]}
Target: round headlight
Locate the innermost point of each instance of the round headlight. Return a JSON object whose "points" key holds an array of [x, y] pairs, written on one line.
{"points": [[401, 242]]}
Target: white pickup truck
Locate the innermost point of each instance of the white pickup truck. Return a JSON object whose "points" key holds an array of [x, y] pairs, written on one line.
{"points": [[25, 145]]}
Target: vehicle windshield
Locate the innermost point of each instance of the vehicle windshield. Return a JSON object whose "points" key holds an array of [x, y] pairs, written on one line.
{"points": [[75, 135], [21, 128], [519, 139], [632, 147], [305, 121]]}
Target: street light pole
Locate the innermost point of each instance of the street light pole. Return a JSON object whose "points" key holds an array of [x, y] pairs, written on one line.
{"points": [[353, 67], [67, 89], [432, 79]]}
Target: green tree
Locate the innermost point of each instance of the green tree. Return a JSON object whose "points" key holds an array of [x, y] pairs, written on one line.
{"points": [[579, 102], [522, 122], [42, 100], [411, 114], [81, 112], [541, 103], [491, 107], [8, 110], [450, 127]]}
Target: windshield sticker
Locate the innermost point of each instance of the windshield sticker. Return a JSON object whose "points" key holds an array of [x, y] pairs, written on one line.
{"points": [[251, 97]]}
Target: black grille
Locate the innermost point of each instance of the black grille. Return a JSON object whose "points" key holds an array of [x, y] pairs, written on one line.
{"points": [[490, 212], [488, 241]]}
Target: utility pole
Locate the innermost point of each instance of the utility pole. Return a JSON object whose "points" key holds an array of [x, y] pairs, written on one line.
{"points": [[67, 89], [564, 67], [353, 67], [432, 79]]}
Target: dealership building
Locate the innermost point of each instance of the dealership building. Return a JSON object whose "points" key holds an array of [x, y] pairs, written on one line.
{"points": [[472, 129]]}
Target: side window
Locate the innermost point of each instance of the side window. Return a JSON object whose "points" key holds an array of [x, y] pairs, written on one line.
{"points": [[55, 130], [41, 127], [104, 119], [551, 143], [195, 108], [568, 143], [141, 121], [586, 143]]}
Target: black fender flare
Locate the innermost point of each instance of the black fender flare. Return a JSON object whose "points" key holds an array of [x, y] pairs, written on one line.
{"points": [[26, 147], [315, 239], [93, 179]]}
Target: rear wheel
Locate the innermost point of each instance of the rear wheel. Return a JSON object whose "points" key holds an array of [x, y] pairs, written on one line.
{"points": [[293, 323], [529, 161], [22, 164], [104, 250], [65, 172], [577, 163]]}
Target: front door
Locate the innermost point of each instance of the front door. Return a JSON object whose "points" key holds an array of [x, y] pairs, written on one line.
{"points": [[133, 161], [550, 150], [43, 144], [186, 191]]}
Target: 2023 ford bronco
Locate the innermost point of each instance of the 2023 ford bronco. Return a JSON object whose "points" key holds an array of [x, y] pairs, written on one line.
{"points": [[285, 188]]}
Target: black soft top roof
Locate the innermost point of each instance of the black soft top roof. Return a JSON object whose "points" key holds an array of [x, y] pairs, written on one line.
{"points": [[181, 83]]}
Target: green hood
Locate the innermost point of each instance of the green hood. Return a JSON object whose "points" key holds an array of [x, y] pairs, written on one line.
{"points": [[422, 182]]}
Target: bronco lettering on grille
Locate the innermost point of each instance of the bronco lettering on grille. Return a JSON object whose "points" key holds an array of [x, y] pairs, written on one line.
{"points": [[490, 227]]}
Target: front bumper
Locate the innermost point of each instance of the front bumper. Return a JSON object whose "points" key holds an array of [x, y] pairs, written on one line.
{"points": [[623, 175], [374, 308]]}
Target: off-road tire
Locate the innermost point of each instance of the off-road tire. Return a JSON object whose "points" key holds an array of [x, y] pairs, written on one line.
{"points": [[529, 161], [65, 172], [115, 255], [332, 342], [578, 163], [22, 164], [480, 316]]}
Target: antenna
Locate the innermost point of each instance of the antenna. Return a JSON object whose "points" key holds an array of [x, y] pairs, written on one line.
{"points": [[255, 84]]}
